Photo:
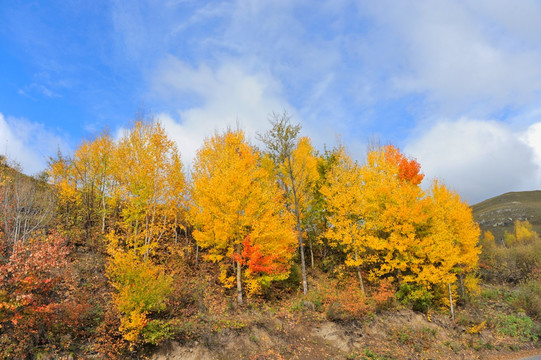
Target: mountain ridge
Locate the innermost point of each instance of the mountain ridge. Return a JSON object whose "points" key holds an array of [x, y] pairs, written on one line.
{"points": [[499, 213]]}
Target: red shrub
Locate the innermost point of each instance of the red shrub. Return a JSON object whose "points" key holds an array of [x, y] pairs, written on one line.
{"points": [[36, 297]]}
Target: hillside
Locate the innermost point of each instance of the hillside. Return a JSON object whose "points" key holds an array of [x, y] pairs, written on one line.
{"points": [[498, 214]]}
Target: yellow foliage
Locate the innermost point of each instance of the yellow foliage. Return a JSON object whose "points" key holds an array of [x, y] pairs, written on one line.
{"points": [[132, 325], [140, 288], [303, 165], [343, 199], [488, 237], [390, 227], [471, 283], [150, 185], [476, 329], [235, 199]]}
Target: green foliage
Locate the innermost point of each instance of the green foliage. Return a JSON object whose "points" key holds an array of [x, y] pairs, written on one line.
{"points": [[157, 331], [521, 327], [418, 297], [418, 339], [370, 355]]}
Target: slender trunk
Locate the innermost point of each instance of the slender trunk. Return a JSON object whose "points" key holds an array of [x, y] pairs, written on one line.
{"points": [[186, 241], [299, 233], [311, 253], [196, 254], [451, 303], [176, 229], [462, 290], [103, 214], [359, 272], [239, 284]]}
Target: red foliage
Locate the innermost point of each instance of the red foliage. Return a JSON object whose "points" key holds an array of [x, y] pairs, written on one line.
{"points": [[36, 301], [258, 263], [408, 170]]}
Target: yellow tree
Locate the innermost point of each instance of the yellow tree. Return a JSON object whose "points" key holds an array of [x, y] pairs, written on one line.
{"points": [[91, 169], [83, 182], [381, 218], [151, 181], [454, 235], [304, 162], [238, 213], [149, 190], [296, 165], [393, 213], [61, 177], [342, 194], [420, 239]]}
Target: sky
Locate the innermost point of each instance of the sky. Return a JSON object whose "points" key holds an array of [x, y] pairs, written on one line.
{"points": [[454, 84]]}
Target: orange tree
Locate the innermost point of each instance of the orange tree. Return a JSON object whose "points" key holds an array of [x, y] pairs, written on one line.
{"points": [[238, 214]]}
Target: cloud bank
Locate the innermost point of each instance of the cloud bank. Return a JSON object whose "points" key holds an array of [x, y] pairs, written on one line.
{"points": [[29, 144], [480, 159], [227, 96]]}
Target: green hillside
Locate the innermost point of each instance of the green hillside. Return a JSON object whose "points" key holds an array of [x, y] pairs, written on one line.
{"points": [[498, 214]]}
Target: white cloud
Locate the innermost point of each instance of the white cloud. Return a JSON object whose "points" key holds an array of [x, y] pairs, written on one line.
{"points": [[38, 89], [479, 159], [28, 144], [532, 137], [226, 97], [467, 57]]}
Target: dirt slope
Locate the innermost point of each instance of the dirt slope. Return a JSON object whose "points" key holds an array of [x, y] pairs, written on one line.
{"points": [[402, 334]]}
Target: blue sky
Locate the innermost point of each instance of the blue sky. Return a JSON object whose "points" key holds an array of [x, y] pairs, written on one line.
{"points": [[455, 84]]}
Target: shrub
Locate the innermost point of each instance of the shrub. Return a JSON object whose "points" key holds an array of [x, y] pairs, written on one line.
{"points": [[345, 301], [418, 297], [141, 288], [520, 259], [528, 297], [37, 298], [521, 327], [385, 295]]}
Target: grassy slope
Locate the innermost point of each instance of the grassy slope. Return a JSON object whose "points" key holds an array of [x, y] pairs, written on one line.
{"points": [[498, 214]]}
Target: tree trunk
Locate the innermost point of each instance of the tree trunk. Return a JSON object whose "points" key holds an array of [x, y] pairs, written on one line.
{"points": [[239, 284], [103, 215], [451, 303], [299, 233], [462, 290], [311, 254], [359, 272]]}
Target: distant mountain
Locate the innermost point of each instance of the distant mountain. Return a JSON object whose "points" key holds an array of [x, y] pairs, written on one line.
{"points": [[499, 213]]}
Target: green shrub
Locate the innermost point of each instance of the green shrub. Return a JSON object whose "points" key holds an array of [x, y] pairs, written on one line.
{"points": [[521, 327], [157, 331], [528, 297], [418, 297]]}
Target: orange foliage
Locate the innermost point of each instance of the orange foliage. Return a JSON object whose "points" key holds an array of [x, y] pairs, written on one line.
{"points": [[345, 301], [257, 262], [408, 170], [384, 294]]}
